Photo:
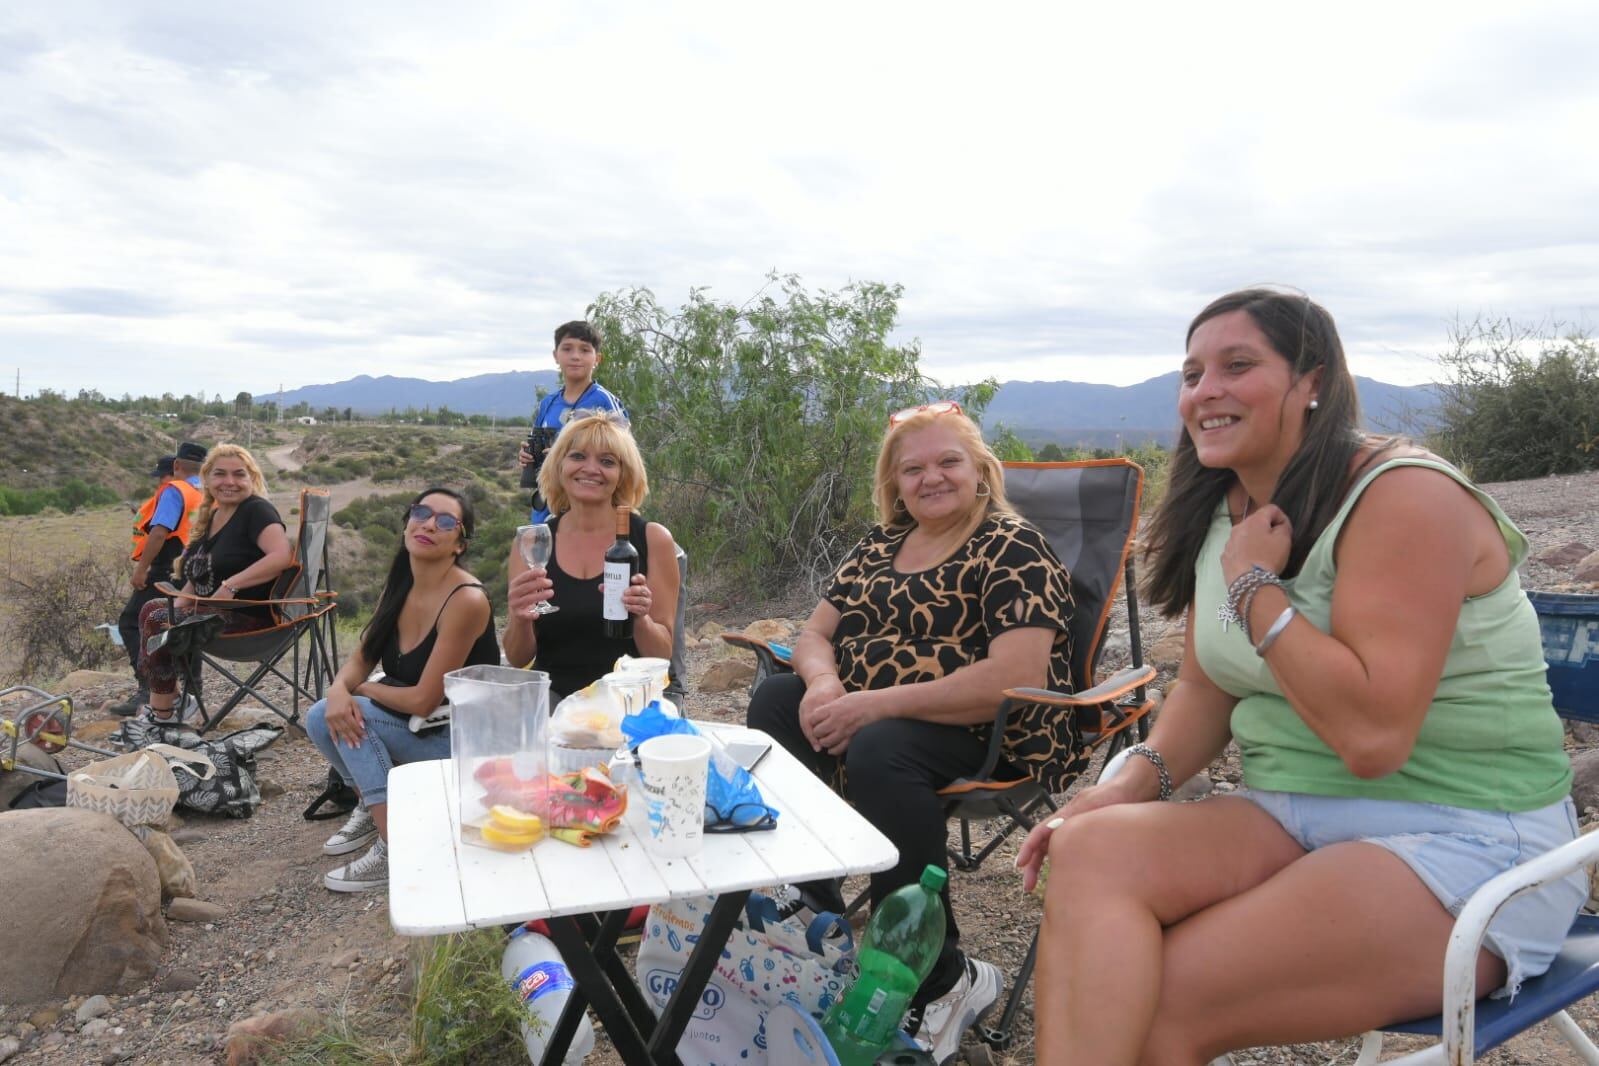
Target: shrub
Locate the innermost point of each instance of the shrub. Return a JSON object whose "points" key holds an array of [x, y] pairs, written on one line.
{"points": [[54, 612], [760, 421], [1518, 403]]}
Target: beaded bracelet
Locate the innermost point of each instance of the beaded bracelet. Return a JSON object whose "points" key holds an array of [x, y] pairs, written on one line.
{"points": [[1160, 767]]}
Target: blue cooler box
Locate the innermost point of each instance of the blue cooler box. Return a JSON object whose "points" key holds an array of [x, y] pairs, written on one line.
{"points": [[1570, 623]]}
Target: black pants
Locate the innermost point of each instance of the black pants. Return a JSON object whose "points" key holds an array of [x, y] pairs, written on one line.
{"points": [[128, 621], [893, 771]]}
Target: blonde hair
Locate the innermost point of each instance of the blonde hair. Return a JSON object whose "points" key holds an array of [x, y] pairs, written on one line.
{"points": [[599, 432], [202, 519], [891, 510]]}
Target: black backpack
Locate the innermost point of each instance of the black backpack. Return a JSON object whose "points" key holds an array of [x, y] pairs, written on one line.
{"points": [[339, 798]]}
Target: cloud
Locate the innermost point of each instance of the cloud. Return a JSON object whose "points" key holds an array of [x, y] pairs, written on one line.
{"points": [[303, 192]]}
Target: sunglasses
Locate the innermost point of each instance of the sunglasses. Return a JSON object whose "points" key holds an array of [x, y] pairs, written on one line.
{"points": [[937, 407], [421, 512], [741, 818]]}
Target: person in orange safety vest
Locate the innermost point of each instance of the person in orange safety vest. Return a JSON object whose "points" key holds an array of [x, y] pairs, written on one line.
{"points": [[160, 533]]}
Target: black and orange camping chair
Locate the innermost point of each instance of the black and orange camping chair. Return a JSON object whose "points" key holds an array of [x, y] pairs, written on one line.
{"points": [[304, 611]]}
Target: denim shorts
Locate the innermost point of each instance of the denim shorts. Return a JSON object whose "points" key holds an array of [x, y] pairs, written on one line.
{"points": [[1455, 850]]}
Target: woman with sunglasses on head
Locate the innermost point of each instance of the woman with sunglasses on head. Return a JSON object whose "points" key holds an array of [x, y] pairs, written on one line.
{"points": [[1355, 624], [432, 617], [593, 468], [236, 551], [951, 599]]}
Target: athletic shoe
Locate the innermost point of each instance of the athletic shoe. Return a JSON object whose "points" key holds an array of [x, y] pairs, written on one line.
{"points": [[364, 874], [182, 715], [359, 831], [938, 1030]]}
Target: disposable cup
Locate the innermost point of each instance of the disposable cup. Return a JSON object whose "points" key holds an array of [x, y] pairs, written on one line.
{"points": [[672, 783]]}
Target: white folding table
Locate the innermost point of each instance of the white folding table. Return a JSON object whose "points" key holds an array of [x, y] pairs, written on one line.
{"points": [[439, 885]]}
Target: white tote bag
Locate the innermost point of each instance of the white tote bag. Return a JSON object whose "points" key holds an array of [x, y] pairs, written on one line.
{"points": [[765, 963]]}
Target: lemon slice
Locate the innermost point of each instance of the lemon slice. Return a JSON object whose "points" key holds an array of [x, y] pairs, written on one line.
{"points": [[514, 821], [501, 838]]}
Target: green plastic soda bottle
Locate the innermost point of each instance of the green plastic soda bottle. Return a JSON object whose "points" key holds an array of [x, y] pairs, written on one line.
{"points": [[901, 944]]}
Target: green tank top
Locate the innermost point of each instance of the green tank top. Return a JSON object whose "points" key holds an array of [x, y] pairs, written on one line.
{"points": [[1490, 740]]}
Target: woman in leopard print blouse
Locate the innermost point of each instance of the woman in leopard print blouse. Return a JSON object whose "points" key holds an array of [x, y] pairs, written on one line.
{"points": [[951, 599]]}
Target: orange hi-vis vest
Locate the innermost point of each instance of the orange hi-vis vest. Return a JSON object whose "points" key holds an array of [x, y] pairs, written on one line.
{"points": [[191, 503]]}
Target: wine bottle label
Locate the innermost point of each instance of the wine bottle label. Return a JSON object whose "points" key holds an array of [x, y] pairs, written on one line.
{"points": [[617, 577]]}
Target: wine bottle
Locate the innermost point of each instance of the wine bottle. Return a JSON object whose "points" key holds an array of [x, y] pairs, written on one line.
{"points": [[621, 563]]}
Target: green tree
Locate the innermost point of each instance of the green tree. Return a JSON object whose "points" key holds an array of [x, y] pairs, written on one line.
{"points": [[760, 421], [1008, 446], [1517, 402]]}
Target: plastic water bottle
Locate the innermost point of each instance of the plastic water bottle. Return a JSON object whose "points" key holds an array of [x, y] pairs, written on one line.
{"points": [[902, 942], [534, 968]]}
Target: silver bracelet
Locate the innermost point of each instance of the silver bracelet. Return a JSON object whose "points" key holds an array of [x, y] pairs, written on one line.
{"points": [[1160, 767], [1250, 581], [1275, 631]]}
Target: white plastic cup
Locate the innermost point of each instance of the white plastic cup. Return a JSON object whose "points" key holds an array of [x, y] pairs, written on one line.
{"points": [[672, 771]]}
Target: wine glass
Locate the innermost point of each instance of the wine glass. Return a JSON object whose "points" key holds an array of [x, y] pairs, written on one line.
{"points": [[537, 543]]}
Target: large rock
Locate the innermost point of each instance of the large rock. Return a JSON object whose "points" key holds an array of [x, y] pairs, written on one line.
{"points": [[82, 906], [1167, 652], [174, 867], [1568, 554], [83, 680], [1588, 569], [250, 1040], [1585, 779], [12, 782], [769, 629], [727, 675]]}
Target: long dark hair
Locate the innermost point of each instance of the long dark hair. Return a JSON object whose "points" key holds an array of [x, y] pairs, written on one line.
{"points": [[397, 587], [1311, 487]]}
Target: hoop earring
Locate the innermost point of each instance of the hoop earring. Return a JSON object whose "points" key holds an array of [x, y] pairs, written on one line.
{"points": [[983, 490], [899, 506]]}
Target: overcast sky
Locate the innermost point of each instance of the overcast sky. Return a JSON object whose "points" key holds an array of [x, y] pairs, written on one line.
{"points": [[215, 197]]}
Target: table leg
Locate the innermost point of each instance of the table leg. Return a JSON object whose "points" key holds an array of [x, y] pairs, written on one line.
{"points": [[701, 964], [593, 984], [603, 935]]}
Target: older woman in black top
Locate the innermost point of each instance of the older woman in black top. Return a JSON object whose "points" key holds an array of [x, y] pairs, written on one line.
{"points": [[433, 617], [593, 468]]}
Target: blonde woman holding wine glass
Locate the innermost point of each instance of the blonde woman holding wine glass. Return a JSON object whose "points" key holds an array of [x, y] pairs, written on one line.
{"points": [[593, 469]]}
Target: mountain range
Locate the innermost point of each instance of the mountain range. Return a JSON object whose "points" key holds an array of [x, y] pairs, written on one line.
{"points": [[1065, 412]]}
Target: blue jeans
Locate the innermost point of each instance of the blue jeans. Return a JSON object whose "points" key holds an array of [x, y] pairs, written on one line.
{"points": [[388, 743]]}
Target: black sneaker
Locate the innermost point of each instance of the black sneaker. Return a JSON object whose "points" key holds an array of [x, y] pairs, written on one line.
{"points": [[130, 706]]}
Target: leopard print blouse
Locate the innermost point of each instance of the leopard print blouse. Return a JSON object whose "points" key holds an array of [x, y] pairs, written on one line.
{"points": [[897, 629]]}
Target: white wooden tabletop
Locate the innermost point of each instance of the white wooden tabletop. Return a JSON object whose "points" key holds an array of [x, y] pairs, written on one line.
{"points": [[439, 885]]}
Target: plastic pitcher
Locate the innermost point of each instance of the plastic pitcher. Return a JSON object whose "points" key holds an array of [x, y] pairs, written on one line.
{"points": [[499, 735]]}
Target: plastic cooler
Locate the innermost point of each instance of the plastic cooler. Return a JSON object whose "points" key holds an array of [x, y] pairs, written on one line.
{"points": [[1570, 625]]}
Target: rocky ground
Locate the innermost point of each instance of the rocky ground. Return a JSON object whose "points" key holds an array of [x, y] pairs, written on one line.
{"points": [[273, 938]]}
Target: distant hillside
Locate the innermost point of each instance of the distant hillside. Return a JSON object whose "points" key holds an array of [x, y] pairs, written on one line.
{"points": [[1066, 412], [508, 395], [42, 445], [1074, 412]]}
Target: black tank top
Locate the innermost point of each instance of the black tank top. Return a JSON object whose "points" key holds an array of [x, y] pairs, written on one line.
{"points": [[572, 647], [404, 669]]}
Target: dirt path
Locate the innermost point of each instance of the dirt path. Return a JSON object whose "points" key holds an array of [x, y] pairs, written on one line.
{"points": [[283, 457]]}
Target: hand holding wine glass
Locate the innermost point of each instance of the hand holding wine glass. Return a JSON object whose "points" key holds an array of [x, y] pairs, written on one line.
{"points": [[537, 544]]}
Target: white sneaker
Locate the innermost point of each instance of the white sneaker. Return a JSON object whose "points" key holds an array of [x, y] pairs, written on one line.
{"points": [[364, 874], [946, 1018], [359, 831], [183, 714]]}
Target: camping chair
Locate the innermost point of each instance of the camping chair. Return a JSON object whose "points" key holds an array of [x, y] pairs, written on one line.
{"points": [[303, 607], [1088, 511], [1570, 625]]}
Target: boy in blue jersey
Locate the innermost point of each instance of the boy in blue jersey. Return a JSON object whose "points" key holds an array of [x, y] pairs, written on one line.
{"points": [[577, 353]]}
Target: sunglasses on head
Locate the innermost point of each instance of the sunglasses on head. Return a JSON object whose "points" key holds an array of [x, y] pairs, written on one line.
{"points": [[421, 512], [937, 407]]}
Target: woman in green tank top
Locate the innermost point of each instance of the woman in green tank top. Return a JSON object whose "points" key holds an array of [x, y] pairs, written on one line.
{"points": [[1355, 623]]}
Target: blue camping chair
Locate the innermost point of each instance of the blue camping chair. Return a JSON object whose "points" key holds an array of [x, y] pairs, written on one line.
{"points": [[1468, 1027]]}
